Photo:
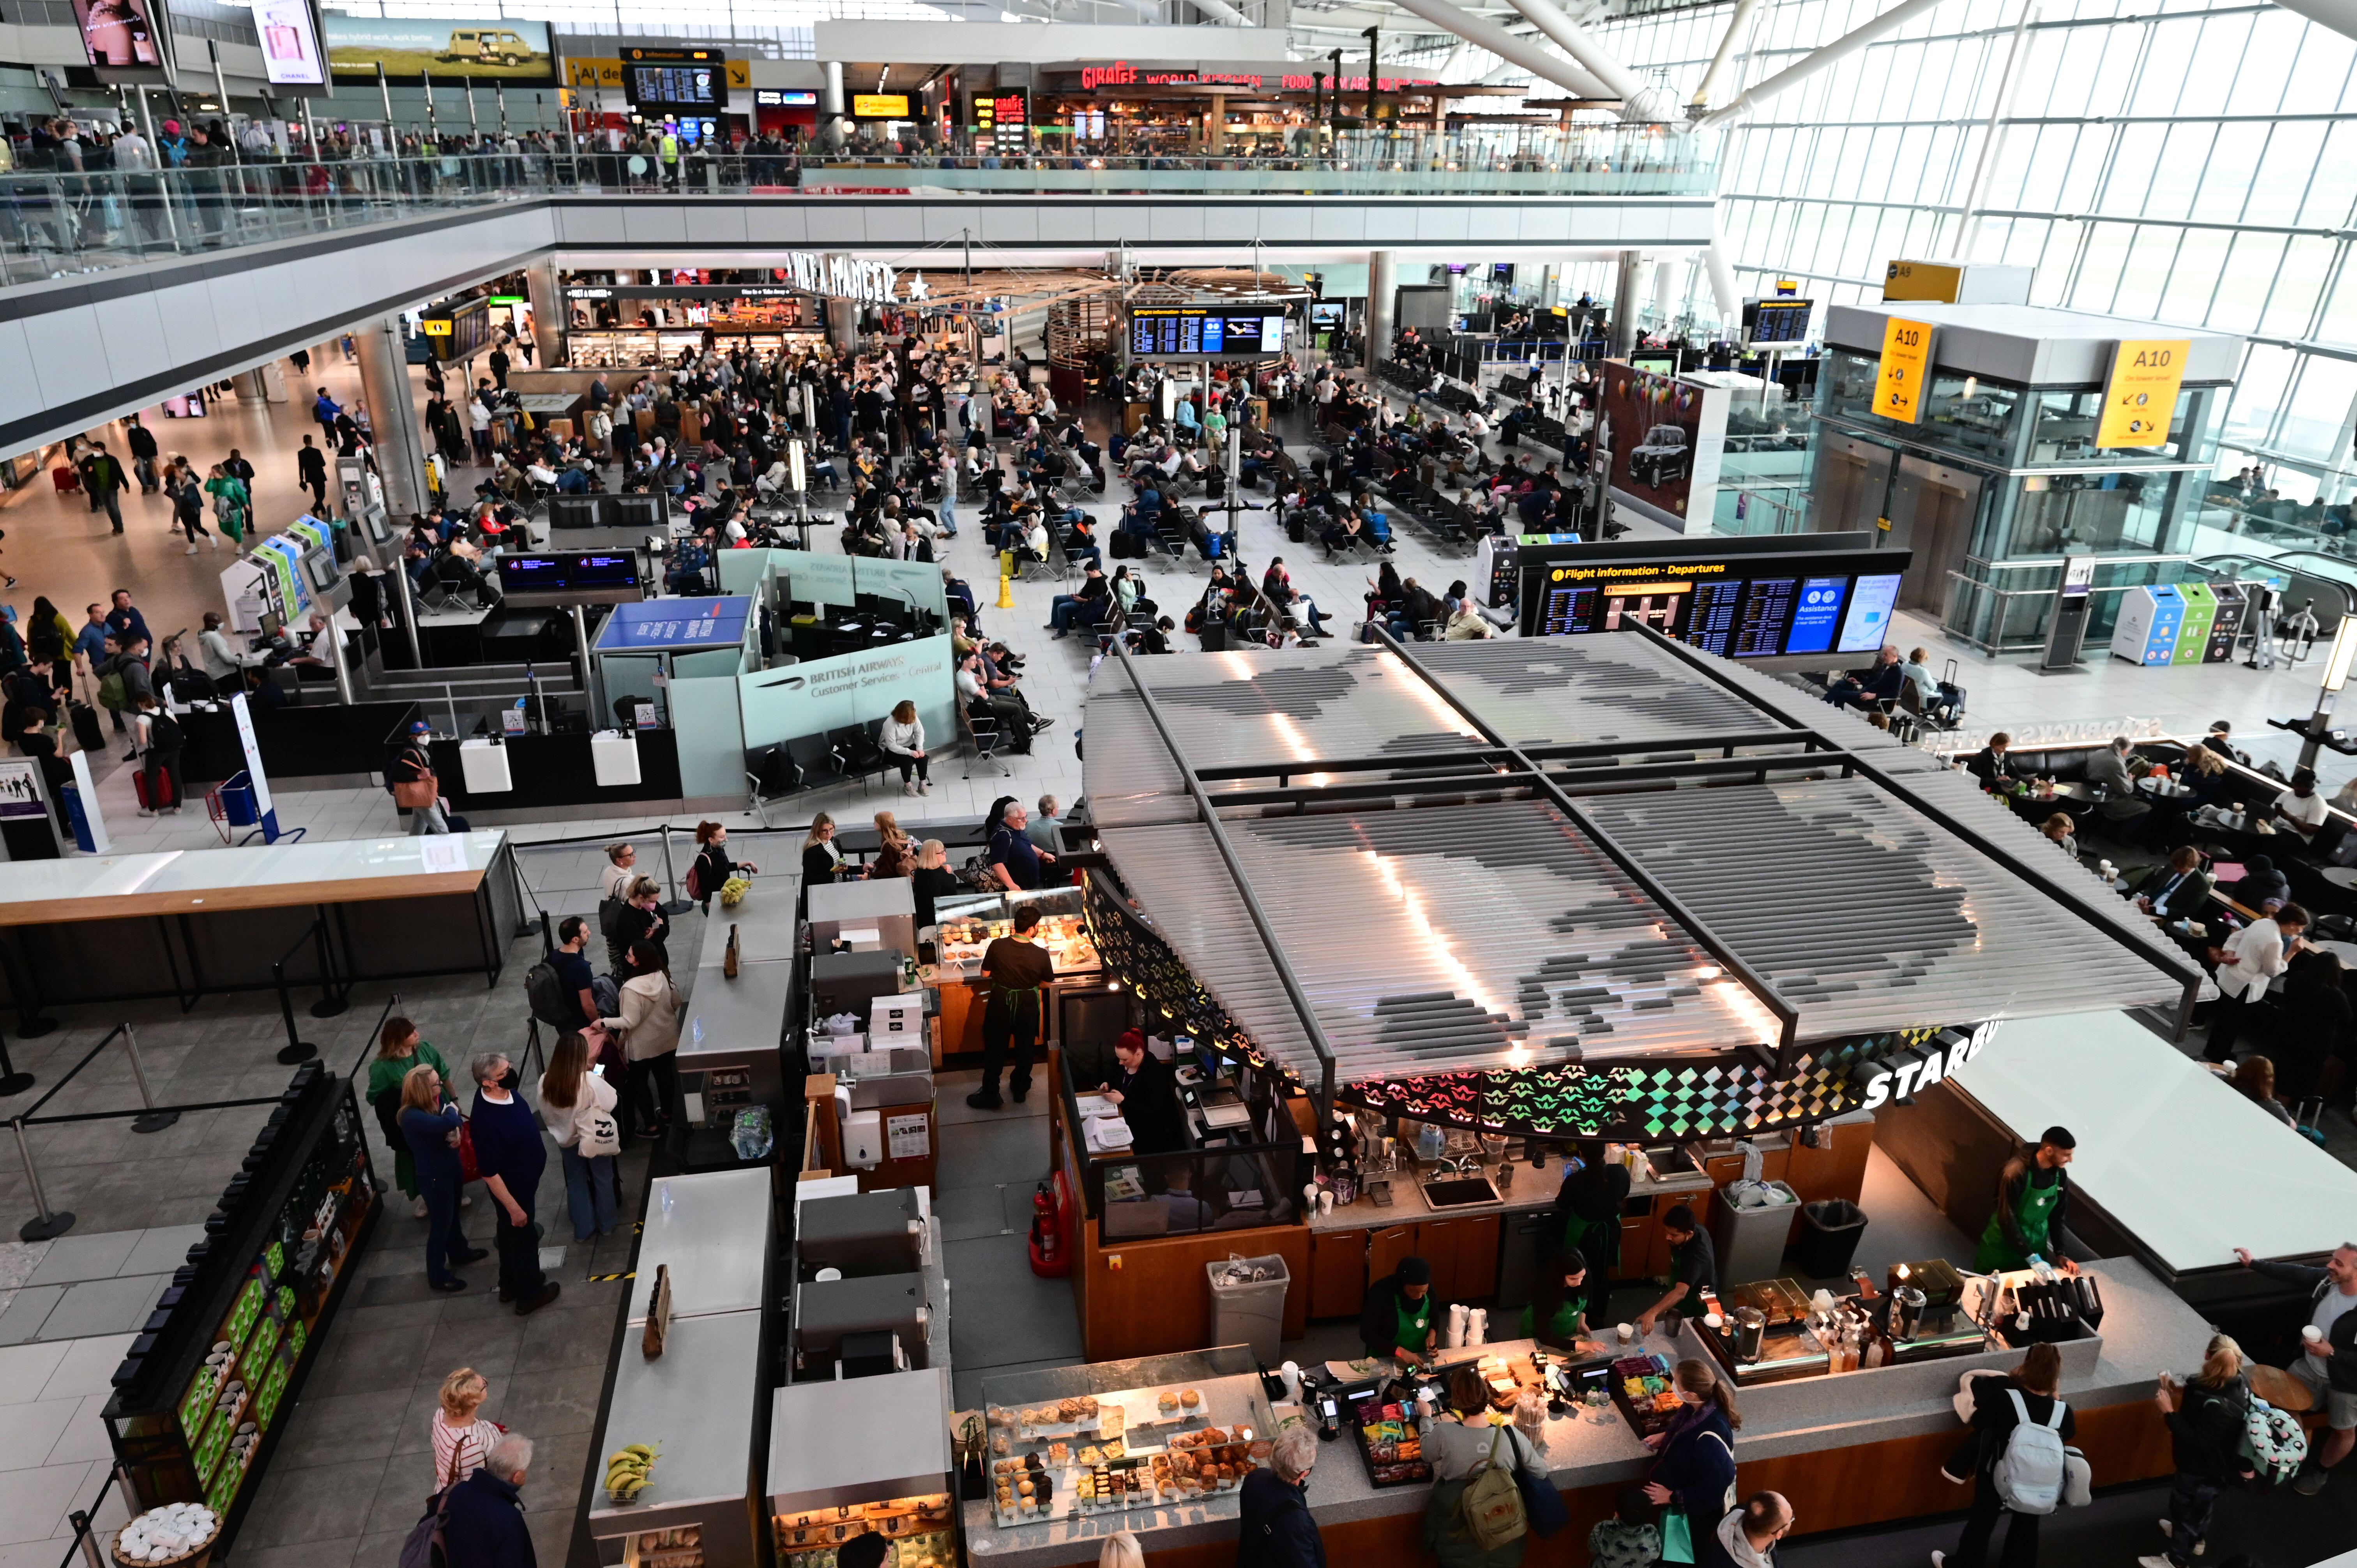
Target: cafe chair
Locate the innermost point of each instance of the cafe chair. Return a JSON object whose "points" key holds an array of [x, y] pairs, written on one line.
{"points": [[856, 754], [981, 729]]}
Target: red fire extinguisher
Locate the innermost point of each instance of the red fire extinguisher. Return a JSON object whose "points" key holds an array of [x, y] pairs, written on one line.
{"points": [[1049, 1257]]}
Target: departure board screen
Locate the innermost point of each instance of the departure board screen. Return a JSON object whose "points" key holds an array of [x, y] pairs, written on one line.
{"points": [[1205, 332], [1777, 323], [679, 86], [1736, 605]]}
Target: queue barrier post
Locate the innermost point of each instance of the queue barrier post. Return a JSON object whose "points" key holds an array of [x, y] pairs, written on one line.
{"points": [[155, 1121], [44, 1226]]}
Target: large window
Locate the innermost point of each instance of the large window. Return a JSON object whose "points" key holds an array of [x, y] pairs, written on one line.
{"points": [[2194, 166]]}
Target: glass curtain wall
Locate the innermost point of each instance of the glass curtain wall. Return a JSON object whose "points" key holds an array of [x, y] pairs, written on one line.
{"points": [[2189, 165]]}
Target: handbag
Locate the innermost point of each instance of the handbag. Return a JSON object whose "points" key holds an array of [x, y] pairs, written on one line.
{"points": [[468, 1169], [421, 792], [1542, 1508], [424, 1546], [1678, 1538]]}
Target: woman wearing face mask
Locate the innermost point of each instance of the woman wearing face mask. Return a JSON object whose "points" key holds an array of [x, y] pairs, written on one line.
{"points": [[1695, 1470]]}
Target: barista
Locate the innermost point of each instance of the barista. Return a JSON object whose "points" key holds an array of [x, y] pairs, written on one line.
{"points": [[2030, 1194], [1557, 1315], [1694, 1269], [1589, 1207], [1396, 1323]]}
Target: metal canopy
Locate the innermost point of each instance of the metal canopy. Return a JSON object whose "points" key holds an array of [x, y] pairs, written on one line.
{"points": [[1393, 862]]}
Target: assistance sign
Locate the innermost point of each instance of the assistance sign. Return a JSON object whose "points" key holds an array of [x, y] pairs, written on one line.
{"points": [[2140, 394], [1906, 370]]}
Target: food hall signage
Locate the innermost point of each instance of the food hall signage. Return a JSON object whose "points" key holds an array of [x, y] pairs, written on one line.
{"points": [[1121, 73], [835, 277]]}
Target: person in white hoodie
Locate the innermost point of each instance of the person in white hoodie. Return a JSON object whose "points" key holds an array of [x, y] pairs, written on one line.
{"points": [[903, 740], [1748, 1534], [577, 1105], [649, 1028]]}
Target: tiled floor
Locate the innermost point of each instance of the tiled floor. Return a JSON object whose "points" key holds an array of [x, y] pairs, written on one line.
{"points": [[53, 1448]]}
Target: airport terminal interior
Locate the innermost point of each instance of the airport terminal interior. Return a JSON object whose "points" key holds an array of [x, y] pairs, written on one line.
{"points": [[1123, 782]]}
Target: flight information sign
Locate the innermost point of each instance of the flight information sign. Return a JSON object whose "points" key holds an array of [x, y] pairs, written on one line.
{"points": [[1738, 606], [1169, 332]]}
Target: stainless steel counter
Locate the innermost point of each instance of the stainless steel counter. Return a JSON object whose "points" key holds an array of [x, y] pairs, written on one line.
{"points": [[714, 1230], [697, 1403], [1533, 1188]]}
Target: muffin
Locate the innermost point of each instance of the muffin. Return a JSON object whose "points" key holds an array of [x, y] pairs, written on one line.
{"points": [[1167, 1403], [1192, 1398]]}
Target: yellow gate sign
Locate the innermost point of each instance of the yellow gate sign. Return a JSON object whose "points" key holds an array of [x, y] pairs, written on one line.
{"points": [[588, 71], [1900, 385], [2140, 394]]}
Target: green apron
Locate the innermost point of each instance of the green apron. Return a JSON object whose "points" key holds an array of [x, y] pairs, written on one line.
{"points": [[1562, 1328], [1414, 1322], [2034, 1219]]}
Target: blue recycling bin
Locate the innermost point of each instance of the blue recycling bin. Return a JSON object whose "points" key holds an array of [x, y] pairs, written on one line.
{"points": [[237, 800]]}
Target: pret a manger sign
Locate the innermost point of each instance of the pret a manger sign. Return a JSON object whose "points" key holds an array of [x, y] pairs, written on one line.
{"points": [[841, 277]]}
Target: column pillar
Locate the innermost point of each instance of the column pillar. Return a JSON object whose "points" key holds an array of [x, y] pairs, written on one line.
{"points": [[841, 323], [1380, 296], [394, 414], [1624, 306], [830, 105], [1215, 126], [547, 312], [1665, 301]]}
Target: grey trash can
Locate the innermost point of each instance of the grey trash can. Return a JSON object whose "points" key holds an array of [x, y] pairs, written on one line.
{"points": [[1250, 1311], [1750, 1241]]}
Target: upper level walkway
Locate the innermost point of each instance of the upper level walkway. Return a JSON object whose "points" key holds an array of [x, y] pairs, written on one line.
{"points": [[118, 289]]}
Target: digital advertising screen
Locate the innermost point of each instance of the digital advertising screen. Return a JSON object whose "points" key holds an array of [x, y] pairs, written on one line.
{"points": [[1179, 332], [290, 43], [879, 105], [1652, 424], [1760, 605], [507, 49], [121, 35], [660, 79]]}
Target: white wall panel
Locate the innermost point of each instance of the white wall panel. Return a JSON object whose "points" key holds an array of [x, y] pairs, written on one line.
{"points": [[63, 348]]}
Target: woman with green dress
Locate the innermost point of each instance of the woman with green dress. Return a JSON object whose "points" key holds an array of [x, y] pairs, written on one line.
{"points": [[398, 1049], [231, 504]]}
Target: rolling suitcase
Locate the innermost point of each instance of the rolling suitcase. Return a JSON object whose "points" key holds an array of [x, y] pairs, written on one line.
{"points": [[88, 735], [164, 786]]}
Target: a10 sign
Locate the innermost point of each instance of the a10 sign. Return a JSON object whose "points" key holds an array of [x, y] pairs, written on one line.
{"points": [[1900, 385], [2140, 394]]}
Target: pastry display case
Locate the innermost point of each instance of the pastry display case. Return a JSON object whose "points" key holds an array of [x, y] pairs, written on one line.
{"points": [[968, 925], [1117, 1436], [859, 1456]]}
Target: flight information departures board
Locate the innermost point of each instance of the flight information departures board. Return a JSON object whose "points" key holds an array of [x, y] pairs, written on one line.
{"points": [[1176, 332], [1776, 323], [1764, 607]]}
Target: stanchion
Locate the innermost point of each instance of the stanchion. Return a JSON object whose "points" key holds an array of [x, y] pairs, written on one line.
{"points": [[44, 1226], [155, 1121], [12, 1083], [331, 1001], [675, 904]]}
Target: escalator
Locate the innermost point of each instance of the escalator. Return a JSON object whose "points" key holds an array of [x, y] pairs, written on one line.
{"points": [[2326, 584]]}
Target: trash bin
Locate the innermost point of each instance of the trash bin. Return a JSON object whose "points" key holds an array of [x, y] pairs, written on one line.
{"points": [[1248, 1303], [1829, 1233], [1750, 1241]]}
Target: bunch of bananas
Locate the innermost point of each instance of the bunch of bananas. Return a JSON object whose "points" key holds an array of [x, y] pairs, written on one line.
{"points": [[626, 1471], [733, 891]]}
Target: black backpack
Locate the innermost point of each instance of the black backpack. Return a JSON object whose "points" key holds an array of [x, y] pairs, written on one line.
{"points": [[545, 993], [164, 731]]}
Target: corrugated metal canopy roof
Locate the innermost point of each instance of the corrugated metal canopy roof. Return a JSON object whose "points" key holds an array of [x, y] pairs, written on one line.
{"points": [[1488, 929]]}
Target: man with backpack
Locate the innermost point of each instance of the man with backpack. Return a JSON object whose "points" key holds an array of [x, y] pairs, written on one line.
{"points": [[2330, 1366], [2023, 1428]]}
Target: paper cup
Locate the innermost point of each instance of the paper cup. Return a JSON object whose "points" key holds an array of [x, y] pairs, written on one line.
{"points": [[1628, 1332], [2312, 1334]]}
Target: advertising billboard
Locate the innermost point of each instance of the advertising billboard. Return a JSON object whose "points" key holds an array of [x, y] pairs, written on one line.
{"points": [[1654, 426], [125, 37], [290, 43], [503, 48]]}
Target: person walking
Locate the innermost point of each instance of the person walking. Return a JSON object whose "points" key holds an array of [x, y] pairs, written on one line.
{"points": [[160, 739], [1694, 1473], [311, 472], [483, 1519], [508, 1153], [2205, 1419], [1275, 1529], [189, 510], [232, 507], [105, 478], [462, 1438], [648, 1030], [1017, 972], [1462, 1446], [579, 1106], [430, 1126], [399, 1048], [414, 789], [2030, 1395]]}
